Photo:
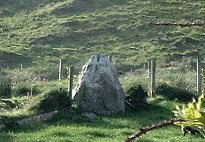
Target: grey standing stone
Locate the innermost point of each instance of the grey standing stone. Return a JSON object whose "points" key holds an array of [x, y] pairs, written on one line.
{"points": [[98, 90]]}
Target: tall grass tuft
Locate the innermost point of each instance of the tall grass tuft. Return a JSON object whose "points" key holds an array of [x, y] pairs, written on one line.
{"points": [[55, 99], [5, 87]]}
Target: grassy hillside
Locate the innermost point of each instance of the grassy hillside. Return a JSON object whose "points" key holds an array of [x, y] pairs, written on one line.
{"points": [[42, 31], [35, 34]]}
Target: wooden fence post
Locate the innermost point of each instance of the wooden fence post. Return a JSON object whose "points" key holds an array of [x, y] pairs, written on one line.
{"points": [[198, 76], [145, 65], [110, 58], [149, 68], [71, 81], [60, 66], [153, 77]]}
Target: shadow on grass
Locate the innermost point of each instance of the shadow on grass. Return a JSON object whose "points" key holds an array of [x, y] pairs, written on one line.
{"points": [[10, 121], [146, 116], [78, 6]]}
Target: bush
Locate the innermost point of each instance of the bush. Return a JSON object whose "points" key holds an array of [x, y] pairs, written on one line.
{"points": [[7, 104], [23, 88], [174, 93], [56, 99], [5, 86], [137, 97], [175, 78]]}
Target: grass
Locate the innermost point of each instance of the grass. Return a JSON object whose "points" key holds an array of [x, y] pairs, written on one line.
{"points": [[22, 103], [179, 77], [68, 29], [36, 34], [73, 127]]}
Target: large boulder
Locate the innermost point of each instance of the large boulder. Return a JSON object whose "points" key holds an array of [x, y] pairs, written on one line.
{"points": [[98, 90]]}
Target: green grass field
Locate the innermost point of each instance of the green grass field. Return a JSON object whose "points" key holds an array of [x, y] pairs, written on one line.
{"points": [[35, 34], [72, 127]]}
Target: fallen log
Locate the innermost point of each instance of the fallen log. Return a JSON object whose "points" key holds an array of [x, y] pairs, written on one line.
{"points": [[32, 120]]}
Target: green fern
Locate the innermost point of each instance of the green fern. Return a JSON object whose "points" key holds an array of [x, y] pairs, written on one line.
{"points": [[191, 115]]}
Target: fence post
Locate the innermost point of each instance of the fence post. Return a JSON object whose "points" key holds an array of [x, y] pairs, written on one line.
{"points": [[153, 77], [60, 66], [31, 93], [110, 58], [198, 76], [145, 65], [149, 68], [71, 81]]}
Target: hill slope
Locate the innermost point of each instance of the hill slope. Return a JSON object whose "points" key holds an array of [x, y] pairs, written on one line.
{"points": [[46, 30]]}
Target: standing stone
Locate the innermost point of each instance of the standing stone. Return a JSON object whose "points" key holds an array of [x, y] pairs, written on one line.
{"points": [[98, 90]]}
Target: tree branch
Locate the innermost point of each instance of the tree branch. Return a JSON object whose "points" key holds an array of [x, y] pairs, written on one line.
{"points": [[144, 130]]}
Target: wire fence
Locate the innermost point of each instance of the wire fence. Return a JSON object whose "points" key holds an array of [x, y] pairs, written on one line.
{"points": [[185, 73]]}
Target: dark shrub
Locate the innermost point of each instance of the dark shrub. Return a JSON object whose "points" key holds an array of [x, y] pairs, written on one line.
{"points": [[8, 103], [56, 99], [137, 97], [5, 87], [23, 88], [174, 93]]}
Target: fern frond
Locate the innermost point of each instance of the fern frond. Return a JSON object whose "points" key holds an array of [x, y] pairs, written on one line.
{"points": [[192, 115], [200, 101]]}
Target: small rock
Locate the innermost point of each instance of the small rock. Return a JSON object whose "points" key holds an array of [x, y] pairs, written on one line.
{"points": [[89, 115]]}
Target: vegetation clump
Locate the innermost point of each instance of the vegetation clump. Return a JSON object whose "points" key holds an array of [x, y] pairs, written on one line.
{"points": [[56, 99], [23, 89], [192, 116], [137, 97], [174, 93], [7, 104], [5, 87]]}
